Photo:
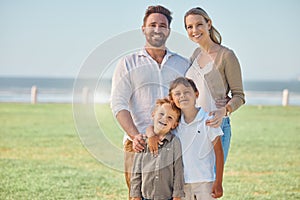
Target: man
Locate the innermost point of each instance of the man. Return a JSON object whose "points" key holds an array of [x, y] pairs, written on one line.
{"points": [[142, 77]]}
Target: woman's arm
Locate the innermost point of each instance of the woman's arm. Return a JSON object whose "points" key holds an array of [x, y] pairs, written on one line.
{"points": [[233, 75]]}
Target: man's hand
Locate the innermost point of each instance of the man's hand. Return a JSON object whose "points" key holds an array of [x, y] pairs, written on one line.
{"points": [[138, 143]]}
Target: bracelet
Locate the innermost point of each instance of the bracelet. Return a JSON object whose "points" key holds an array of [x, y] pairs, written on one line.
{"points": [[228, 114]]}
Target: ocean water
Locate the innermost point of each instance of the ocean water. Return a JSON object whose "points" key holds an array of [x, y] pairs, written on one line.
{"points": [[68, 90]]}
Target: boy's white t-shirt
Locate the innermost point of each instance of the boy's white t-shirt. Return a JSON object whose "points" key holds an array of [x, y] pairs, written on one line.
{"points": [[197, 148]]}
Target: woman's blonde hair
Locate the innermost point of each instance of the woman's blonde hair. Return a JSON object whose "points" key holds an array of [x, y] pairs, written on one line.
{"points": [[213, 32]]}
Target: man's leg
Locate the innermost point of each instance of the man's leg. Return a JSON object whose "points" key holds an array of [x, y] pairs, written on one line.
{"points": [[128, 162]]}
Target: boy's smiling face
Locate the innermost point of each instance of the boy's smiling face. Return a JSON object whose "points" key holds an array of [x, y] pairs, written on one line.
{"points": [[165, 119], [184, 97]]}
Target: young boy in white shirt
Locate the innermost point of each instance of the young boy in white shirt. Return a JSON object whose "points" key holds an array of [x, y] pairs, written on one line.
{"points": [[201, 144], [202, 152]]}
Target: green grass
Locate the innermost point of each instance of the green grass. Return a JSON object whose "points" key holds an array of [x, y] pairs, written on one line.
{"points": [[42, 157]]}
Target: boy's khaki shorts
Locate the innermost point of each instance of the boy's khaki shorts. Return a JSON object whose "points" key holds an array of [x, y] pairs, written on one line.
{"points": [[198, 191]]}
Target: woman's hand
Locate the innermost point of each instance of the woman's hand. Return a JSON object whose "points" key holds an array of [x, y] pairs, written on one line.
{"points": [[218, 115]]}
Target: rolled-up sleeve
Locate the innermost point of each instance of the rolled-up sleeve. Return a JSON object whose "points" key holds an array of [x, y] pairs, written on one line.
{"points": [[178, 170], [234, 78], [136, 176], [121, 88]]}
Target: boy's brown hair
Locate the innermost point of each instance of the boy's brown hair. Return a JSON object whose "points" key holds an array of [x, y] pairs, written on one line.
{"points": [[182, 80]]}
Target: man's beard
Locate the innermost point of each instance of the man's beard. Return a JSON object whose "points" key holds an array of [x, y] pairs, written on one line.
{"points": [[156, 39]]}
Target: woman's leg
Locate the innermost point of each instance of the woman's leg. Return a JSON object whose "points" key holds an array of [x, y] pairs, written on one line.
{"points": [[226, 128]]}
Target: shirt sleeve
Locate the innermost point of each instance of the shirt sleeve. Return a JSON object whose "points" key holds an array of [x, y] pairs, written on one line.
{"points": [[214, 132], [234, 78], [121, 88], [178, 190], [136, 176]]}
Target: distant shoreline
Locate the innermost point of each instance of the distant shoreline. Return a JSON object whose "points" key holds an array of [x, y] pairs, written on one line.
{"points": [[252, 98], [60, 90]]}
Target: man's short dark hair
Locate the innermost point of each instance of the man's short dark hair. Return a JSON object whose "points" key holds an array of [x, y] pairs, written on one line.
{"points": [[158, 9]]}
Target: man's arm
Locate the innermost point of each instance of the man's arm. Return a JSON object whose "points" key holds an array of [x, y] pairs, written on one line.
{"points": [[120, 95], [125, 120]]}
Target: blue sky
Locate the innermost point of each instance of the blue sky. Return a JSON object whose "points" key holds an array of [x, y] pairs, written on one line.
{"points": [[53, 38]]}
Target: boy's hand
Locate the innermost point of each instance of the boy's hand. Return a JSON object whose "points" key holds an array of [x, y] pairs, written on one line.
{"points": [[176, 198], [217, 190], [153, 142], [138, 143]]}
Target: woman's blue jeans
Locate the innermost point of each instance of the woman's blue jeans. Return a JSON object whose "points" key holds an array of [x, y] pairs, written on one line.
{"points": [[226, 128]]}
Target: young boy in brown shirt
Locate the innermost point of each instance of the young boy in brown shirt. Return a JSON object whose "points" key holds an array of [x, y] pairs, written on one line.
{"points": [[160, 177]]}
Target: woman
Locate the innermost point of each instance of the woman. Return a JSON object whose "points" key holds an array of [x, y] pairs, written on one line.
{"points": [[216, 71]]}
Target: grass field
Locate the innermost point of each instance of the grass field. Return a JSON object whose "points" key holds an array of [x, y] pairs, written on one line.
{"points": [[42, 157]]}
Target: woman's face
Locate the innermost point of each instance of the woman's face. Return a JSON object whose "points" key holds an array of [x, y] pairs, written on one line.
{"points": [[197, 28]]}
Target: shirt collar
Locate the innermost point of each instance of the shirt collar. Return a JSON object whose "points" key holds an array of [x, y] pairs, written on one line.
{"points": [[199, 117], [143, 52], [168, 137]]}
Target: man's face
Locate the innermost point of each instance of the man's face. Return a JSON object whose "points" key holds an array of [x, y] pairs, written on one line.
{"points": [[156, 30]]}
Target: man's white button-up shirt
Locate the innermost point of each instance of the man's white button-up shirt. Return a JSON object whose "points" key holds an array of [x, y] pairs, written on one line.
{"points": [[139, 80]]}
